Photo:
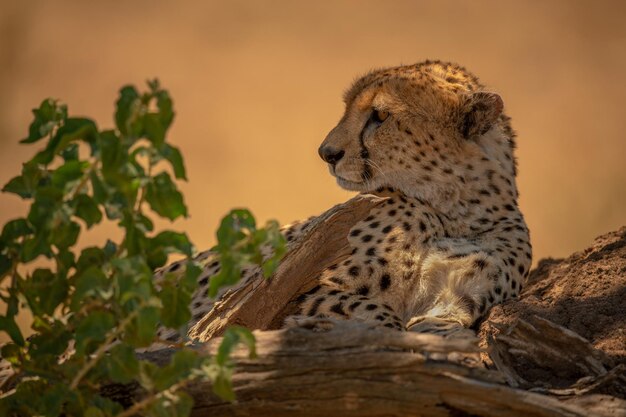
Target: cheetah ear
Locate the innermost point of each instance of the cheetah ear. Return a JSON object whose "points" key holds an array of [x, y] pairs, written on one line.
{"points": [[479, 112]]}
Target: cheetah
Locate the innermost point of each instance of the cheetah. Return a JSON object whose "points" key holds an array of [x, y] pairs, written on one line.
{"points": [[450, 241]]}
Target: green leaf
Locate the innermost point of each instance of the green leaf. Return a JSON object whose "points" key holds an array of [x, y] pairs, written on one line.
{"points": [[230, 273], [173, 242], [127, 112], [122, 364], [44, 291], [222, 385], [87, 209], [165, 106], [190, 278], [40, 397], [133, 281], [114, 157], [104, 405], [44, 207], [69, 172], [135, 239], [270, 266], [65, 235], [142, 330], [52, 341], [143, 223], [100, 191], [5, 265], [92, 282], [11, 301], [232, 337], [94, 412], [91, 256], [173, 155], [116, 206], [73, 129], [33, 248], [8, 325], [110, 249], [176, 301], [154, 129], [164, 198], [15, 229], [47, 117], [11, 353], [93, 328], [181, 366], [177, 405], [65, 260], [18, 186], [147, 371], [230, 230], [70, 153]]}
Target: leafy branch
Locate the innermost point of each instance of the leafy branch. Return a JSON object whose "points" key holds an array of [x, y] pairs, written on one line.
{"points": [[94, 307]]}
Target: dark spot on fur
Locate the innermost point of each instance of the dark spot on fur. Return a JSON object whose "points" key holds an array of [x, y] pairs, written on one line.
{"points": [[316, 304], [336, 280], [354, 305], [480, 264], [338, 308], [363, 290], [385, 282]]}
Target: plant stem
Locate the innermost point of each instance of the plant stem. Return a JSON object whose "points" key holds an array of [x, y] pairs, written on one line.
{"points": [[102, 349], [134, 410], [83, 180]]}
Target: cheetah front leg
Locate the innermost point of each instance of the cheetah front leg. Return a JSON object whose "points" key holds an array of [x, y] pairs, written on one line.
{"points": [[461, 283]]}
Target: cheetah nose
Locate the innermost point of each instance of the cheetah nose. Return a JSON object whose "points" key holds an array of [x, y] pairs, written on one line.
{"points": [[330, 154]]}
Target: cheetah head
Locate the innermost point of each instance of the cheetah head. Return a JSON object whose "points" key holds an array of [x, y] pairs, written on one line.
{"points": [[422, 129]]}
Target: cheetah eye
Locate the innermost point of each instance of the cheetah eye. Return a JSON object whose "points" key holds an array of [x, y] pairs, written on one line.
{"points": [[379, 116]]}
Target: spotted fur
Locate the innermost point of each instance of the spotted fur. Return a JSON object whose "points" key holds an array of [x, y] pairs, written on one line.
{"points": [[450, 241]]}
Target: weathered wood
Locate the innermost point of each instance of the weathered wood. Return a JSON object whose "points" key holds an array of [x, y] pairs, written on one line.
{"points": [[263, 304], [353, 370], [555, 349]]}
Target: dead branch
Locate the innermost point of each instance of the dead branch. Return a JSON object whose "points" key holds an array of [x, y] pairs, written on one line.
{"points": [[263, 304]]}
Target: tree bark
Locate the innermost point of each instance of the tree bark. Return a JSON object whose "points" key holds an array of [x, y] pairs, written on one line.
{"points": [[349, 369], [263, 304]]}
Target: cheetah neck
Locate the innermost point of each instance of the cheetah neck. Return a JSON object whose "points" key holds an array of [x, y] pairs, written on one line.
{"points": [[481, 194]]}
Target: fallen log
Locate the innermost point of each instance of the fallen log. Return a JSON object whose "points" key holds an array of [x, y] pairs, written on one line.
{"points": [[350, 369]]}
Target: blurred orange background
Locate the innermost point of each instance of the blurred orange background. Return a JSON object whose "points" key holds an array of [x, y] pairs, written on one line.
{"points": [[257, 85]]}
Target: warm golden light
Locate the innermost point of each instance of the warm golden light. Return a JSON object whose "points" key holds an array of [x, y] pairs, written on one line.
{"points": [[258, 85]]}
